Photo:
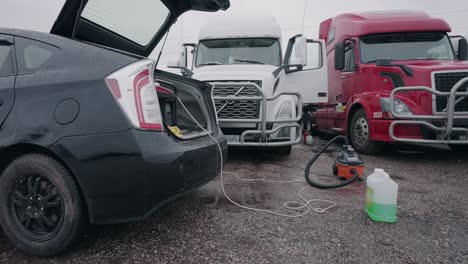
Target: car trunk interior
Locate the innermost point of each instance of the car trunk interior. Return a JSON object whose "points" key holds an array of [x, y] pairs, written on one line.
{"points": [[175, 117]]}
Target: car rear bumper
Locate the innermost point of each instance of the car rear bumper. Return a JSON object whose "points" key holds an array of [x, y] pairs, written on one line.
{"points": [[126, 176]]}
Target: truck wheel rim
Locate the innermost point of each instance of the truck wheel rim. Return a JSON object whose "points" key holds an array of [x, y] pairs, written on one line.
{"points": [[361, 131], [36, 207]]}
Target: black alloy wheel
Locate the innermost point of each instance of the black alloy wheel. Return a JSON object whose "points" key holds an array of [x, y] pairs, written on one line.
{"points": [[41, 211], [36, 206]]}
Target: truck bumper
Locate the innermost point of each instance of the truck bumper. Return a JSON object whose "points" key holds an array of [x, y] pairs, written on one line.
{"points": [[264, 136], [253, 138], [445, 126], [380, 130]]}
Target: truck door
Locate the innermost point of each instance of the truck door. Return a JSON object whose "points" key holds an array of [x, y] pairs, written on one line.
{"points": [[349, 85], [349, 76], [312, 80], [7, 76]]}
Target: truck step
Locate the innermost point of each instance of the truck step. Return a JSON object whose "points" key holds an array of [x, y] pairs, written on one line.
{"points": [[337, 130]]}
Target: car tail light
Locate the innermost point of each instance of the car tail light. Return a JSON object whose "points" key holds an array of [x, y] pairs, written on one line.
{"points": [[133, 88]]}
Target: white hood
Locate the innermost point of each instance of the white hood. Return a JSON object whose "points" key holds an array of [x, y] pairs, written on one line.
{"points": [[248, 72]]}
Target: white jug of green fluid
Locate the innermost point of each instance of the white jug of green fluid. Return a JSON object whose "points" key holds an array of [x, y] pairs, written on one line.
{"points": [[381, 197]]}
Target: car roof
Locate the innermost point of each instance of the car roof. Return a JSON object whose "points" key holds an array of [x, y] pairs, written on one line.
{"points": [[20, 32], [41, 36], [58, 41]]}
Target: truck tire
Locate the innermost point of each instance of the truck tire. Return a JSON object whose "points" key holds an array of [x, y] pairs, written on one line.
{"points": [[283, 151], [40, 206], [360, 135], [459, 148]]}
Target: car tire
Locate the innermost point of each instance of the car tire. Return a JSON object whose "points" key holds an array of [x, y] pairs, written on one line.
{"points": [[40, 206], [359, 134], [459, 148], [283, 151]]}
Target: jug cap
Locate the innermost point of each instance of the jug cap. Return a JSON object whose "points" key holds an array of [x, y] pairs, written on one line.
{"points": [[382, 173]]}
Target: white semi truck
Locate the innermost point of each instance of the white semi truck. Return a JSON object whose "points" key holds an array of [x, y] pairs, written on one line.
{"points": [[259, 94]]}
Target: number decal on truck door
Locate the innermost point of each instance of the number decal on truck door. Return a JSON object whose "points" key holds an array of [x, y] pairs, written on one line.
{"points": [[378, 115]]}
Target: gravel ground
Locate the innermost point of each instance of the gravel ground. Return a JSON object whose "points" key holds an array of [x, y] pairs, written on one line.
{"points": [[205, 227]]}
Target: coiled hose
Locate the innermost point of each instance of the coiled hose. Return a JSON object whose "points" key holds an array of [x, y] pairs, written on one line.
{"points": [[317, 155]]}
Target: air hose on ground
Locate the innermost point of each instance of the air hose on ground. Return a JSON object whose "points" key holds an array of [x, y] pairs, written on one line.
{"points": [[348, 165], [348, 161]]}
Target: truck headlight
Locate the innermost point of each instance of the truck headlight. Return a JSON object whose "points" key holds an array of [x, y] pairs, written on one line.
{"points": [[400, 107], [285, 111]]}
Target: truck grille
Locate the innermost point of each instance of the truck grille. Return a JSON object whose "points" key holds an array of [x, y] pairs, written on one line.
{"points": [[443, 82], [237, 109]]}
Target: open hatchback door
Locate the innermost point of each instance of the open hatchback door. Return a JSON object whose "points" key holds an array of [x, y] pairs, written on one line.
{"points": [[133, 26]]}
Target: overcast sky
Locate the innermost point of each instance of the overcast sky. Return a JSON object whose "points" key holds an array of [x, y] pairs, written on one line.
{"points": [[40, 15]]}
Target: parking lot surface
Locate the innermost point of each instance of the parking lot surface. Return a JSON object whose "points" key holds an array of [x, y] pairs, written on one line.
{"points": [[204, 227]]}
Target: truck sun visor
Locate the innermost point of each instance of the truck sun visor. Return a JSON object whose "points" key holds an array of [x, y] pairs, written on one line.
{"points": [[178, 7]]}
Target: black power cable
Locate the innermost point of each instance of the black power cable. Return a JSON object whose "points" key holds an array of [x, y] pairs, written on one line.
{"points": [[317, 155]]}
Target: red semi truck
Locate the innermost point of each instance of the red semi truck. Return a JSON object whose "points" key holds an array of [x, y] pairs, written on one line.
{"points": [[394, 77]]}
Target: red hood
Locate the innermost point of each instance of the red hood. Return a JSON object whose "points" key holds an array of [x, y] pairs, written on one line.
{"points": [[422, 72], [383, 79]]}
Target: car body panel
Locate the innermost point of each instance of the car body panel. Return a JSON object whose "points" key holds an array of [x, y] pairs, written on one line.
{"points": [[127, 175], [44, 90], [7, 81], [7, 96], [124, 174]]}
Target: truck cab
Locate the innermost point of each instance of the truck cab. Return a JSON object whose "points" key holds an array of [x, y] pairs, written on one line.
{"points": [[394, 77], [258, 93]]}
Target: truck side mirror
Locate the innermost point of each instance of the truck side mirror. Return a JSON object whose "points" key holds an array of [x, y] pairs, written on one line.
{"points": [[183, 58], [175, 64], [300, 53], [298, 44], [462, 49], [340, 56], [181, 63]]}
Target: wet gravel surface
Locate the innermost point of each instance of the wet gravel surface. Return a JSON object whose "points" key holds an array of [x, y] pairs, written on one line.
{"points": [[205, 227]]}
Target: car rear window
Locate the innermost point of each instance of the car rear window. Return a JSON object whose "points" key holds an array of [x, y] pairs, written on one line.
{"points": [[6, 60], [137, 21], [32, 55]]}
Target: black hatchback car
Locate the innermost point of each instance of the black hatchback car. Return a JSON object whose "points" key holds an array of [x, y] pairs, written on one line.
{"points": [[90, 132]]}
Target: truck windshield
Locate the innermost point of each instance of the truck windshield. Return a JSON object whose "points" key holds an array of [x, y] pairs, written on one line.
{"points": [[406, 46], [239, 51]]}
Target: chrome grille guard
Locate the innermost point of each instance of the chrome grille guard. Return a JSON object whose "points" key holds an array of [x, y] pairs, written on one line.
{"points": [[262, 120], [444, 132]]}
